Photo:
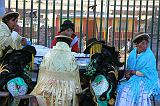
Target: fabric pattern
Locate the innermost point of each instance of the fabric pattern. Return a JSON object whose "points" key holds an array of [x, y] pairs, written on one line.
{"points": [[17, 86], [138, 89], [127, 99], [58, 79], [6, 39], [100, 85]]}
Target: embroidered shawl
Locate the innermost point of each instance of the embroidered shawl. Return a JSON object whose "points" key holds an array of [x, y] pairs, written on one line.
{"points": [[58, 78], [7, 40]]}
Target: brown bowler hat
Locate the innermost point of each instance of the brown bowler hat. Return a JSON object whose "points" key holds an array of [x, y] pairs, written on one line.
{"points": [[140, 37]]}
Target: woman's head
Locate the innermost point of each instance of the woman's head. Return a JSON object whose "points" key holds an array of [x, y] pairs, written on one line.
{"points": [[10, 19], [141, 41], [67, 28]]}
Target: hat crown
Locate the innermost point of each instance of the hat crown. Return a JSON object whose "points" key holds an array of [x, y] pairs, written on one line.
{"points": [[29, 49], [141, 36], [9, 14], [67, 24]]}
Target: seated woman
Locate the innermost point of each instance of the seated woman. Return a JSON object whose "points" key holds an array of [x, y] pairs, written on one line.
{"points": [[13, 71], [141, 75], [9, 37], [58, 79], [68, 29]]}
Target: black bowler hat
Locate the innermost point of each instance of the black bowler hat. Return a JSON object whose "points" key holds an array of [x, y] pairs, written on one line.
{"points": [[30, 49], [18, 56], [92, 42], [67, 24], [63, 38]]}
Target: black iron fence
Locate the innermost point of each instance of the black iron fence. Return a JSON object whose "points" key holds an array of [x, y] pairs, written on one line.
{"points": [[114, 21]]}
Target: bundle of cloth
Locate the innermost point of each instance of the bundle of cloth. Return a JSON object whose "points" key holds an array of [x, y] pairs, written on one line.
{"points": [[14, 77]]}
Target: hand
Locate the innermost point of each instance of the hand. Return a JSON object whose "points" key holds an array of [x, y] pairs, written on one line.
{"points": [[16, 28], [127, 75], [132, 72]]}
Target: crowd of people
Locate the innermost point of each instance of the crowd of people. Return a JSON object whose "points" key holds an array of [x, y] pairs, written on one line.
{"points": [[59, 81]]}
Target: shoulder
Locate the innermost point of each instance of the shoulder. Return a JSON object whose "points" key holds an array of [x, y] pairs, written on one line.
{"points": [[3, 26], [4, 29], [150, 53], [53, 43], [133, 51]]}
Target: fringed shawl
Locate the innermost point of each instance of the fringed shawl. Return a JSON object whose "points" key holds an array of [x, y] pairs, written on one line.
{"points": [[58, 79], [7, 40], [5, 36], [145, 62]]}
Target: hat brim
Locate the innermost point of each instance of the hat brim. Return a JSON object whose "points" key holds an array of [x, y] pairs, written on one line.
{"points": [[87, 50], [143, 35], [63, 36], [9, 14]]}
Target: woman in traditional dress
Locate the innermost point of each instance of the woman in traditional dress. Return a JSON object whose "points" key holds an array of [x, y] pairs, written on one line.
{"points": [[58, 79], [141, 75], [9, 37], [68, 28]]}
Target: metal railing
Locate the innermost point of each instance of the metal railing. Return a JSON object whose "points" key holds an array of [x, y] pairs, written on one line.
{"points": [[114, 21]]}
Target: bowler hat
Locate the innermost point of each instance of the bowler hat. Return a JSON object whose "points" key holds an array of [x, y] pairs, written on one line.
{"points": [[140, 37], [92, 42], [64, 38], [10, 14], [29, 49], [67, 24]]}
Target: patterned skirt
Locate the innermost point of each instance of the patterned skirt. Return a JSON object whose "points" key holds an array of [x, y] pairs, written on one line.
{"points": [[127, 95]]}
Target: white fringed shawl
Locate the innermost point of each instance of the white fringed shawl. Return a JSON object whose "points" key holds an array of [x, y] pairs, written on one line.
{"points": [[6, 39], [58, 79]]}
